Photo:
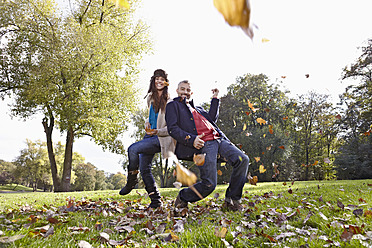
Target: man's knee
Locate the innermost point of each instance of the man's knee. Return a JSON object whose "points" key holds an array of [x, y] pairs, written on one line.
{"points": [[209, 187]]}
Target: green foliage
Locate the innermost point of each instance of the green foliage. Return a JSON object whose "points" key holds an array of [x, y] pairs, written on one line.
{"points": [[78, 68], [239, 122], [355, 155]]}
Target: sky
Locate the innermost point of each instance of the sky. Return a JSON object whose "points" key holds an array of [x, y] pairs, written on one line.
{"points": [[192, 41]]}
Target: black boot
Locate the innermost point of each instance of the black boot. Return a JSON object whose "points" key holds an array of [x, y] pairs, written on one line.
{"points": [[132, 180], [155, 198]]}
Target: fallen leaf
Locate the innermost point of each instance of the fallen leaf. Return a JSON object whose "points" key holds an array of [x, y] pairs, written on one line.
{"points": [[346, 235], [84, 244], [221, 233], [11, 238]]}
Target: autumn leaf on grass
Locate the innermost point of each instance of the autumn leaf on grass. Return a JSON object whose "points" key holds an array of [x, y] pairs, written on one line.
{"points": [[236, 13], [199, 159], [252, 180], [221, 233], [120, 3], [340, 205], [251, 106], [261, 121], [262, 169]]}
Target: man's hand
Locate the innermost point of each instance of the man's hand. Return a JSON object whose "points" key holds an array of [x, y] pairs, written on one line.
{"points": [[198, 142], [215, 92]]}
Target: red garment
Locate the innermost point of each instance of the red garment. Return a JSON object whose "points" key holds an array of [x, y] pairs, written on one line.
{"points": [[204, 126]]}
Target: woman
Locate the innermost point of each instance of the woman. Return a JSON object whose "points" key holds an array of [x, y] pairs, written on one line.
{"points": [[157, 139]]}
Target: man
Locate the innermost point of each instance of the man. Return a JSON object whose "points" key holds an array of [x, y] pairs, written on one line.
{"points": [[196, 132]]}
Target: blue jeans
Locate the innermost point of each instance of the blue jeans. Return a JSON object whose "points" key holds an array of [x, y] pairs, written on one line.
{"points": [[140, 154], [208, 172]]}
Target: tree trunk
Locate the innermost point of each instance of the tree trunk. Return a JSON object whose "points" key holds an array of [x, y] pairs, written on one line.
{"points": [[67, 164], [52, 160]]}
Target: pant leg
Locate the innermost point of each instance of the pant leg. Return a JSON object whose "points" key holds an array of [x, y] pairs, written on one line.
{"points": [[208, 174], [145, 164], [148, 145], [240, 162]]}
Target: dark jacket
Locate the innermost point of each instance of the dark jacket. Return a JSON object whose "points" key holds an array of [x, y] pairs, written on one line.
{"points": [[181, 125]]}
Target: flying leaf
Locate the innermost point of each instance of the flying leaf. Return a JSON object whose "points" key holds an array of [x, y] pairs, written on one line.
{"points": [[269, 147], [234, 123], [236, 13], [244, 127], [257, 158], [276, 171], [120, 3], [285, 118], [260, 120], [185, 176], [315, 163], [262, 169], [271, 131], [327, 161], [282, 147], [267, 110], [252, 180], [247, 112], [219, 172], [264, 40], [338, 116], [283, 76], [251, 106], [199, 159], [307, 75], [166, 83]]}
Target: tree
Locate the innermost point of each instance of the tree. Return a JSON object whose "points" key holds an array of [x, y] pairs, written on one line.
{"points": [[85, 177], [33, 165], [313, 124], [66, 67], [354, 159], [100, 180], [250, 98], [7, 172], [118, 180]]}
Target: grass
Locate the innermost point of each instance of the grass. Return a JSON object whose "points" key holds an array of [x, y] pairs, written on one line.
{"points": [[313, 214], [14, 187]]}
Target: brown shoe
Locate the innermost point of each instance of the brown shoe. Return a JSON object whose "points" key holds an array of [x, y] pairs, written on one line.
{"points": [[178, 203], [232, 205]]}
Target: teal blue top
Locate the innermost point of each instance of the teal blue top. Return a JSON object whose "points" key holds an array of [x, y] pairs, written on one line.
{"points": [[153, 117]]}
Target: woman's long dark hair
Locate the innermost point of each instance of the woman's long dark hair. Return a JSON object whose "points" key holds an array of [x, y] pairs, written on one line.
{"points": [[159, 102]]}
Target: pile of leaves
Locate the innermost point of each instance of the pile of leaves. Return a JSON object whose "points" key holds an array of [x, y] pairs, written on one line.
{"points": [[316, 216]]}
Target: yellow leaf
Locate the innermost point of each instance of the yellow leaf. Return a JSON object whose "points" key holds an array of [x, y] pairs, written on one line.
{"points": [[236, 13], [234, 123], [252, 180], [251, 106], [120, 3], [223, 164], [257, 159], [262, 169], [264, 135], [221, 233], [244, 126], [185, 176], [265, 40], [260, 120]]}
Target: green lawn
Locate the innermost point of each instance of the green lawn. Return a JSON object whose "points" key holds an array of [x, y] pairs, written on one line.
{"points": [[14, 187], [302, 214]]}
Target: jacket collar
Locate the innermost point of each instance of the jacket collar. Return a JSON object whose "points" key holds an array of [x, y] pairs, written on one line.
{"points": [[179, 99]]}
